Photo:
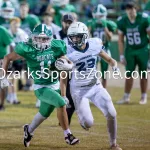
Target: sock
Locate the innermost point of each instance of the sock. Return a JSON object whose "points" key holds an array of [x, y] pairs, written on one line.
{"points": [[8, 97], [127, 95], [38, 119], [112, 129], [15, 96], [144, 95], [66, 132], [11, 98]]}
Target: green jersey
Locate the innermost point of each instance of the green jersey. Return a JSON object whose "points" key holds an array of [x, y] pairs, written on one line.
{"points": [[5, 40], [28, 23], [60, 11], [41, 63], [97, 29], [136, 33], [5, 23]]}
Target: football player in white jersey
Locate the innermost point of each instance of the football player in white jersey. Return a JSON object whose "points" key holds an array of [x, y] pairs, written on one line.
{"points": [[83, 53]]}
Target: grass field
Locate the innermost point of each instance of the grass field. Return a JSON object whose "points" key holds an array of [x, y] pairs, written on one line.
{"points": [[133, 126]]}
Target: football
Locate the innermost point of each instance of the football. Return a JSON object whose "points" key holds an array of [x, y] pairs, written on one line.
{"points": [[62, 64]]}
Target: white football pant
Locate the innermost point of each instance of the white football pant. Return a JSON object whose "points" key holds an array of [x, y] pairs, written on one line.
{"points": [[98, 96]]}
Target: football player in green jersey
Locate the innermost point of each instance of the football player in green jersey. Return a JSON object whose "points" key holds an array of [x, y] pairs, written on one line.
{"points": [[41, 53], [61, 8], [5, 41], [102, 28], [136, 28], [7, 12]]}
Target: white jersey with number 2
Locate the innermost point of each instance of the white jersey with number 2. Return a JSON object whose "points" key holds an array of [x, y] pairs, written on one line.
{"points": [[84, 70]]}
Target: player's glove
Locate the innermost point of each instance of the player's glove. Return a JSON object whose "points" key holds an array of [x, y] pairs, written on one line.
{"points": [[62, 64], [5, 83], [116, 70], [67, 102]]}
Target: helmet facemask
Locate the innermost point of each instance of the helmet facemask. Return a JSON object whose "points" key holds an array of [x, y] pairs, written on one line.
{"points": [[77, 40], [41, 41], [7, 13]]}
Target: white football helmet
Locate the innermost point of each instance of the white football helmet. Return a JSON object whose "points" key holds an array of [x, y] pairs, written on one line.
{"points": [[77, 34], [59, 3], [100, 12]]}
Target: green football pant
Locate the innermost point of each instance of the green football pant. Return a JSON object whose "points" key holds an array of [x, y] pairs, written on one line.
{"points": [[136, 57], [50, 99]]}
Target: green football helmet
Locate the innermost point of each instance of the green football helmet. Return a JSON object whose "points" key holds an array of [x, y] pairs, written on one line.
{"points": [[100, 12], [41, 37], [7, 10]]}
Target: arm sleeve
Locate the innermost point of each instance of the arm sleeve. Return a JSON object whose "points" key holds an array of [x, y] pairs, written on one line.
{"points": [[89, 23], [147, 23], [60, 49], [112, 26], [99, 45], [19, 49], [7, 38], [120, 25]]}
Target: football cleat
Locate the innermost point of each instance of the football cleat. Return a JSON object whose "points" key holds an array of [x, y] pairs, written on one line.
{"points": [[143, 101], [115, 147], [2, 108], [124, 100], [87, 129], [16, 102], [71, 140], [27, 136]]}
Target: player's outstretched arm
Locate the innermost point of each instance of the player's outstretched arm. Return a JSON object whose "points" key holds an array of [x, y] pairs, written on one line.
{"points": [[108, 59], [108, 34], [10, 57]]}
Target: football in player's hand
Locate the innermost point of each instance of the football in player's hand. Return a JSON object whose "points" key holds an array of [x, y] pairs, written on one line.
{"points": [[62, 64]]}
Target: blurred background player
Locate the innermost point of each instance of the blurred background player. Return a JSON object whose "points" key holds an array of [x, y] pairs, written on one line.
{"points": [[136, 28], [6, 13], [61, 7], [18, 36], [66, 21], [28, 22], [5, 41], [48, 20], [102, 28]]}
